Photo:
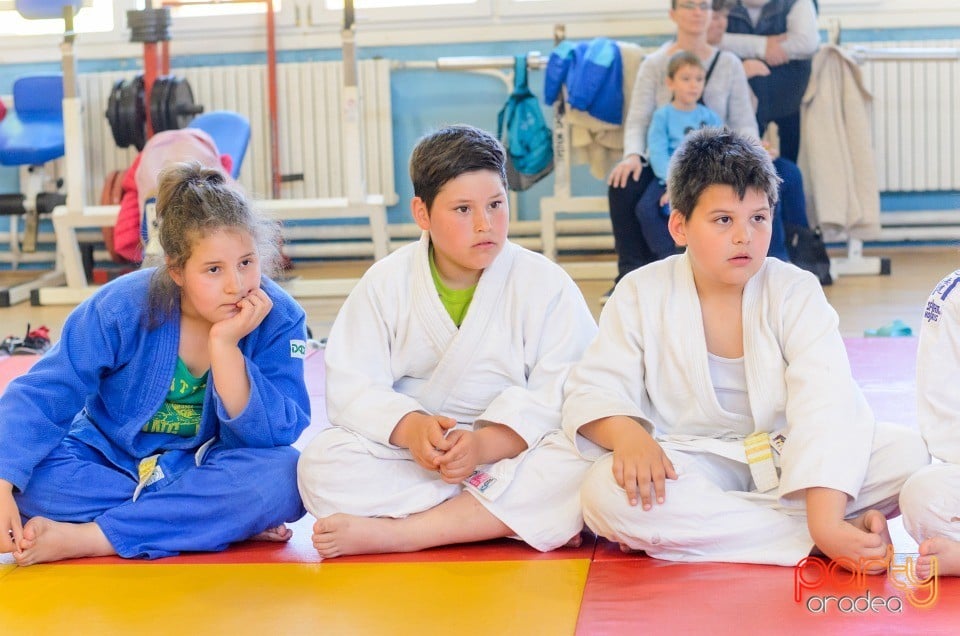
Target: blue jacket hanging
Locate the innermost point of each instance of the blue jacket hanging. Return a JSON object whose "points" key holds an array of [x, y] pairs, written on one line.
{"points": [[593, 73]]}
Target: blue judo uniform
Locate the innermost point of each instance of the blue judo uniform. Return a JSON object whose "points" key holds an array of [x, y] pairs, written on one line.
{"points": [[71, 438]]}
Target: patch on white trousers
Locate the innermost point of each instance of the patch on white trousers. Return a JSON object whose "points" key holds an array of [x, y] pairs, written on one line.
{"points": [[481, 480], [298, 349]]}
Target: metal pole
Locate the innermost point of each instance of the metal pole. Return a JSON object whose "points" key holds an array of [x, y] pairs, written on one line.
{"points": [[273, 103], [351, 111], [72, 118]]}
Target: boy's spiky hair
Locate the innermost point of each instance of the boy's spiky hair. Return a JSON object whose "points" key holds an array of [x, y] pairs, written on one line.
{"points": [[718, 156]]}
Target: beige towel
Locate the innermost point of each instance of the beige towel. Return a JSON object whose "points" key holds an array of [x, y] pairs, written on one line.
{"points": [[598, 143]]}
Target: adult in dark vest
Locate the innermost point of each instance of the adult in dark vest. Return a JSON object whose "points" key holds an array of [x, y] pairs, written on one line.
{"points": [[782, 34]]}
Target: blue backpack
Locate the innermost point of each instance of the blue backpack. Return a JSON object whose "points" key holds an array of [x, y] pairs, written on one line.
{"points": [[524, 133]]}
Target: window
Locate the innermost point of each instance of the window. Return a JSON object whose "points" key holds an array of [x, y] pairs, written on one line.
{"points": [[202, 8], [191, 18], [337, 5], [422, 11], [594, 8]]}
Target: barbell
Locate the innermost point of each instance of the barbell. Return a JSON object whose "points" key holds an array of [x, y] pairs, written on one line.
{"points": [[171, 108]]}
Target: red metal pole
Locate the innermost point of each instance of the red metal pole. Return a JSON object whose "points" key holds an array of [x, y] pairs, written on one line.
{"points": [[165, 57], [150, 66]]}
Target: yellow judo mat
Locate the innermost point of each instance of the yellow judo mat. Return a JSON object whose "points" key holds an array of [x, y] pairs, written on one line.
{"points": [[496, 597]]}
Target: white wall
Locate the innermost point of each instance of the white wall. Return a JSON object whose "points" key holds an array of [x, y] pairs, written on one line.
{"points": [[303, 24]]}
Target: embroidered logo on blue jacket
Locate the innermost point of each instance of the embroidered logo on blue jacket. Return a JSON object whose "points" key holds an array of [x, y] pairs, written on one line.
{"points": [[298, 349]]}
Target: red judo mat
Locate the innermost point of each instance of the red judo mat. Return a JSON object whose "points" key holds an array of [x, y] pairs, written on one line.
{"points": [[13, 366], [644, 595], [627, 593]]}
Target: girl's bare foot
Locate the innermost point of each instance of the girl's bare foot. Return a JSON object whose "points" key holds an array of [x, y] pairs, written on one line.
{"points": [[278, 534], [45, 540]]}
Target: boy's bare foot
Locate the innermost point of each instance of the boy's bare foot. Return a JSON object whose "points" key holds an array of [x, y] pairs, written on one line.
{"points": [[342, 535], [575, 541], [45, 540], [460, 519], [945, 551], [277, 534], [627, 549], [874, 522], [862, 543]]}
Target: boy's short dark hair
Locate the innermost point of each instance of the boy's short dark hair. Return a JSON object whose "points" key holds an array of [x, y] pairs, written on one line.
{"points": [[718, 156], [450, 152], [680, 59]]}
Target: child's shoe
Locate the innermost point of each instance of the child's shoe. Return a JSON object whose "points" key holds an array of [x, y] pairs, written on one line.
{"points": [[36, 342], [10, 343]]}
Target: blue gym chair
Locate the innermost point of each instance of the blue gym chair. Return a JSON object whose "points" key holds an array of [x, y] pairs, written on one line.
{"points": [[229, 130], [32, 132], [31, 135], [45, 9]]}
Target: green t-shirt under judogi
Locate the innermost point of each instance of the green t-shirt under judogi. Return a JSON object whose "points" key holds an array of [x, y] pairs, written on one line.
{"points": [[180, 413]]}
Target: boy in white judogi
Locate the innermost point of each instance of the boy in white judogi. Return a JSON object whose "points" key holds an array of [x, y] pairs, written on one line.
{"points": [[931, 498], [721, 385], [445, 371]]}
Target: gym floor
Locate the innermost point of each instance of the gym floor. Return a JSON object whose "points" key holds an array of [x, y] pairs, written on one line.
{"points": [[499, 587]]}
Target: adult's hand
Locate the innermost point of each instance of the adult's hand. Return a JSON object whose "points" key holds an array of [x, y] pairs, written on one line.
{"points": [[629, 167]]}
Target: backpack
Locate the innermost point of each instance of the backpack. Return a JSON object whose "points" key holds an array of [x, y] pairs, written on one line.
{"points": [[524, 133], [807, 251]]}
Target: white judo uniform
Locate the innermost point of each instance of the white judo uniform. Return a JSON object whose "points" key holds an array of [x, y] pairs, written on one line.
{"points": [[650, 363], [394, 349], [930, 499]]}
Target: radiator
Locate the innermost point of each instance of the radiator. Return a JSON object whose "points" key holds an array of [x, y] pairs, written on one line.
{"points": [[916, 121], [310, 139]]}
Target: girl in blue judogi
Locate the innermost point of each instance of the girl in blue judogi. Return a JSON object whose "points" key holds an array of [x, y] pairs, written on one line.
{"points": [[162, 421]]}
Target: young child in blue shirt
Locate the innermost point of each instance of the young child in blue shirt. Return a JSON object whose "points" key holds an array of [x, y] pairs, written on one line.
{"points": [[670, 124], [162, 421], [685, 112]]}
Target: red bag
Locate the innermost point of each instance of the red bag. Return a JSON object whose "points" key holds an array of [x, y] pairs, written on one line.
{"points": [[112, 194], [127, 247]]}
